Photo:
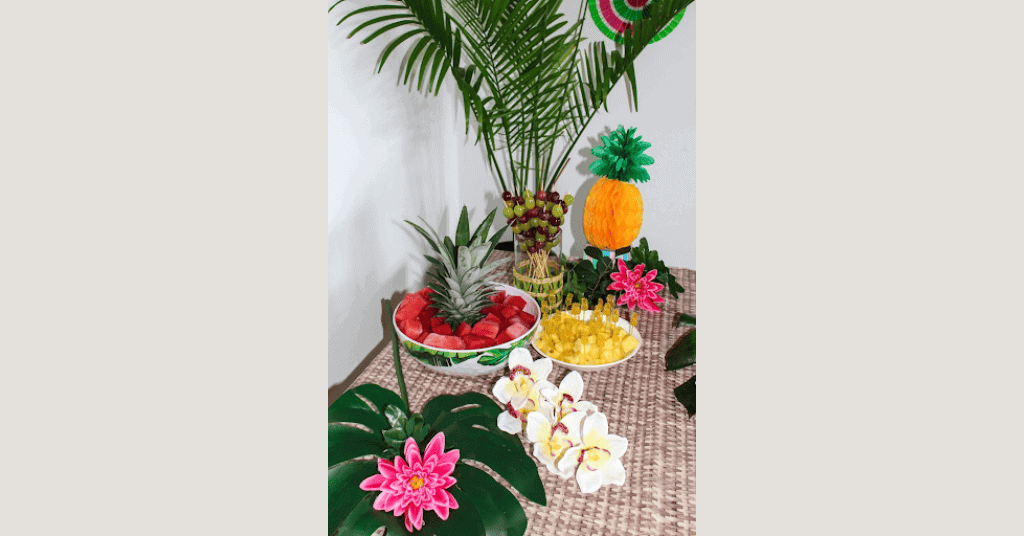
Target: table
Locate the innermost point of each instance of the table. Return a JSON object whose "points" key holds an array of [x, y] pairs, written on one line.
{"points": [[659, 496]]}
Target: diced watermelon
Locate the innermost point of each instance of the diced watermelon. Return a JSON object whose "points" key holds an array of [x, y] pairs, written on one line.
{"points": [[508, 312], [463, 329], [515, 301], [448, 342], [426, 292], [486, 329], [443, 329], [527, 317], [499, 297], [502, 338], [412, 328], [411, 307], [435, 321], [491, 318], [474, 341], [515, 330], [492, 310], [422, 336], [426, 314]]}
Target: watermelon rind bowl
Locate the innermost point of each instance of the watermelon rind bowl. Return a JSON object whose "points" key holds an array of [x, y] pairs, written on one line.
{"points": [[475, 362]]}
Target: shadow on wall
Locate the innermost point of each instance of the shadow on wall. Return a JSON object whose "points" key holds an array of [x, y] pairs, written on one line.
{"points": [[580, 195]]}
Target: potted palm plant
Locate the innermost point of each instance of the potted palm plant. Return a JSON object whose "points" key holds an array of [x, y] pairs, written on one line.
{"points": [[531, 83]]}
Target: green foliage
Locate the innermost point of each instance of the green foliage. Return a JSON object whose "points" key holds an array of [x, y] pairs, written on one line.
{"points": [[622, 157], [687, 395], [683, 318], [584, 279], [469, 423], [683, 353], [522, 69]]}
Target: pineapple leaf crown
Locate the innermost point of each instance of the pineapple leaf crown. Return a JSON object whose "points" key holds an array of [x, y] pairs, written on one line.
{"points": [[460, 268], [622, 157]]}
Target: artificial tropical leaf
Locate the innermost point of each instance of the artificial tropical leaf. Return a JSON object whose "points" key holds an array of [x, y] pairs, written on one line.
{"points": [[687, 395], [683, 318], [499, 509], [683, 353], [363, 520], [343, 493], [365, 417], [347, 442], [484, 447]]}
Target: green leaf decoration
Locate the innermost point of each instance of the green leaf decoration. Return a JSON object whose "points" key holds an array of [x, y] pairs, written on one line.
{"points": [[348, 442], [377, 395], [450, 406], [363, 520], [683, 353], [687, 395], [683, 318], [395, 416], [500, 511], [490, 449], [343, 493], [622, 158]]}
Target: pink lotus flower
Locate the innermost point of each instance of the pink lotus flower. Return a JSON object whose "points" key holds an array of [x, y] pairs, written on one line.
{"points": [[640, 289], [413, 485]]}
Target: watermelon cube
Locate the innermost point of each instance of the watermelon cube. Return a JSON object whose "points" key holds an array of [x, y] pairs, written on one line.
{"points": [[435, 321], [486, 329], [463, 330], [492, 310], [474, 341], [448, 342], [422, 336], [410, 307], [515, 301], [499, 297], [412, 328], [515, 330], [502, 338], [491, 318], [527, 317], [508, 312], [443, 329]]}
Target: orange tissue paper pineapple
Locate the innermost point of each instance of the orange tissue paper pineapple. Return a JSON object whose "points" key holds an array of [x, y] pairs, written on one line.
{"points": [[614, 210]]}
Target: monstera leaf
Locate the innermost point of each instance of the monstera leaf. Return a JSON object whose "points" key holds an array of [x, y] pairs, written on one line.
{"points": [[370, 422]]}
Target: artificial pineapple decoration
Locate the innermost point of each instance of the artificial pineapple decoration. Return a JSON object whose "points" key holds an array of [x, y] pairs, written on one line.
{"points": [[458, 278], [614, 209]]}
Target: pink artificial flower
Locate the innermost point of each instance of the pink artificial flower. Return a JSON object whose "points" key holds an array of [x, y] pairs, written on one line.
{"points": [[413, 485], [640, 289]]}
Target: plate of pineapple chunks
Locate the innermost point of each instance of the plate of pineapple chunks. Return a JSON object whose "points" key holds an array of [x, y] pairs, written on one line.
{"points": [[587, 341]]}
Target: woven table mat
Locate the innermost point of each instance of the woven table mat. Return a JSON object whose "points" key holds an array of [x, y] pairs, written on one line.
{"points": [[659, 496]]}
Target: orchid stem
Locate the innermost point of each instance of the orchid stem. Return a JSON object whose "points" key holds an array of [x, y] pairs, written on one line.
{"points": [[398, 360]]}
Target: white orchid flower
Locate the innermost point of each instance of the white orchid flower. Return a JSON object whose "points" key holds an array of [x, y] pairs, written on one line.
{"points": [[552, 439], [596, 461], [567, 398], [520, 391]]}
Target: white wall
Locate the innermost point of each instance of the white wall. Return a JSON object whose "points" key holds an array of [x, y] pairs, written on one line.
{"points": [[394, 154]]}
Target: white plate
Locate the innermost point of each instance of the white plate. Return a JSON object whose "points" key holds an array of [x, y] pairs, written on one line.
{"points": [[623, 323]]}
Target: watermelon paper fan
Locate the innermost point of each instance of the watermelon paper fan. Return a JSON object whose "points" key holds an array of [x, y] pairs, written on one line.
{"points": [[615, 17]]}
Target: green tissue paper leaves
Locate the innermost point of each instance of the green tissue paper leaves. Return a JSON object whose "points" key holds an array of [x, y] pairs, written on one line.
{"points": [[622, 157]]}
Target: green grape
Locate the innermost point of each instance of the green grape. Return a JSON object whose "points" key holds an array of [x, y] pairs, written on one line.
{"points": [[529, 243], [568, 200], [529, 203], [548, 206], [527, 195], [508, 212], [557, 212], [534, 222], [548, 246], [519, 210]]}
